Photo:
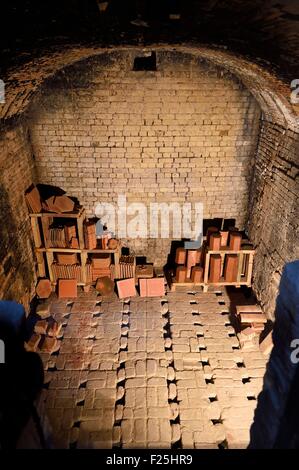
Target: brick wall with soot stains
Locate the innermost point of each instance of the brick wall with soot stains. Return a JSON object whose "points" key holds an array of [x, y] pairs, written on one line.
{"points": [[185, 132], [274, 209], [17, 276]]}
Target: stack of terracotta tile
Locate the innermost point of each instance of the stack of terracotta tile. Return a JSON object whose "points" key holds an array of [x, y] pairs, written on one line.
{"points": [[253, 316], [126, 268], [101, 266], [56, 237], [90, 235], [71, 236], [188, 268], [67, 271]]}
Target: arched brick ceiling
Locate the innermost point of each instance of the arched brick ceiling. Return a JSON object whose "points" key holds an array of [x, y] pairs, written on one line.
{"points": [[272, 94], [260, 28]]}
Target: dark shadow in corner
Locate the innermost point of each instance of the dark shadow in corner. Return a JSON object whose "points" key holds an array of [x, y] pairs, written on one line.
{"points": [[21, 377], [276, 420]]}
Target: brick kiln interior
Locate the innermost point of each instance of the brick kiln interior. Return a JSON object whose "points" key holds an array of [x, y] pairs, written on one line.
{"points": [[203, 126]]}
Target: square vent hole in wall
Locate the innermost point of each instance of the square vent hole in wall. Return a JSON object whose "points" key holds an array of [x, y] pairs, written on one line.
{"points": [[145, 63]]}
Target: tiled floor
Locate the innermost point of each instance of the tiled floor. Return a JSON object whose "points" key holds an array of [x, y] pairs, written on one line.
{"points": [[157, 372]]}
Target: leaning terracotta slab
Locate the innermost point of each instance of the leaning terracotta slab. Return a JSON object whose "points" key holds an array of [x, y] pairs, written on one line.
{"points": [[60, 204], [152, 287], [67, 288], [126, 288], [33, 199]]}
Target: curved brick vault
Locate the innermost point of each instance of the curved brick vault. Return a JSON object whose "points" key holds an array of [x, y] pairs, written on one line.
{"points": [[271, 93], [273, 209]]}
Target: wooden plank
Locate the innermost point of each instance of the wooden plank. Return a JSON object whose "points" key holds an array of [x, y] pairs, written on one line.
{"points": [[64, 215], [206, 268], [45, 228], [74, 250], [226, 250], [250, 269], [81, 233], [50, 259], [41, 267], [240, 266], [36, 232], [83, 266]]}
